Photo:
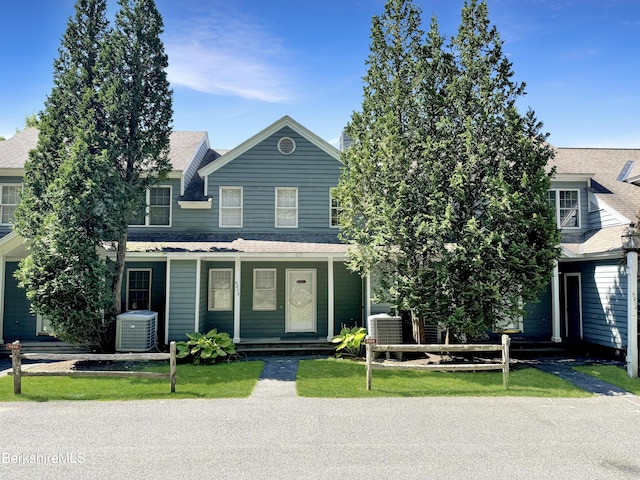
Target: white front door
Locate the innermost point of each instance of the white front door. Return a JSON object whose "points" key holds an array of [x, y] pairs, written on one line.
{"points": [[301, 300]]}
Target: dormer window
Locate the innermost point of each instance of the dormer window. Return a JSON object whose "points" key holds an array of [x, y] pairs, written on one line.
{"points": [[567, 207], [157, 212]]}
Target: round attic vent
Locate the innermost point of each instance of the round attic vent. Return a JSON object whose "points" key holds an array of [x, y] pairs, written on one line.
{"points": [[286, 145]]}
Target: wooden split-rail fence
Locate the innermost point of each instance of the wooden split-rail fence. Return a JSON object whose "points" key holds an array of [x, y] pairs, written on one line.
{"points": [[372, 348], [18, 373]]}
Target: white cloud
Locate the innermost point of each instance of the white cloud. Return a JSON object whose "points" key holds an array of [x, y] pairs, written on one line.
{"points": [[232, 56]]}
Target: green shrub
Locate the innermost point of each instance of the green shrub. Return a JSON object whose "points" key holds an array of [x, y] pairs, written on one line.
{"points": [[349, 341], [206, 348]]}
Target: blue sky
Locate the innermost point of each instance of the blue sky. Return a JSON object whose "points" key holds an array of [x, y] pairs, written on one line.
{"points": [[237, 66]]}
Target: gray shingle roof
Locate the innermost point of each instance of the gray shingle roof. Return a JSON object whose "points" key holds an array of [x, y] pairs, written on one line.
{"points": [[14, 152], [605, 164]]}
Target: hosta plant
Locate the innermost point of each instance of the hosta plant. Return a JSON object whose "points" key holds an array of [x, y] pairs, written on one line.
{"points": [[349, 341], [206, 348]]}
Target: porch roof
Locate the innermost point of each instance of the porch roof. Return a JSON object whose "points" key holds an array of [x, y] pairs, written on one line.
{"points": [[271, 244]]}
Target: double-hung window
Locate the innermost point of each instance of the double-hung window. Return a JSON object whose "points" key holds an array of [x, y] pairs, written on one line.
{"points": [[9, 196], [334, 210], [286, 207], [230, 207], [220, 289], [157, 210], [264, 289], [566, 204]]}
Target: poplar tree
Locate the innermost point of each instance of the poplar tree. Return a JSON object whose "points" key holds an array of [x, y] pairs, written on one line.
{"points": [[138, 108], [66, 186], [444, 190]]}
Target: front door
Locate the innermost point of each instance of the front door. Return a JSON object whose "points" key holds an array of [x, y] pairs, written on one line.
{"points": [[301, 300], [572, 307]]}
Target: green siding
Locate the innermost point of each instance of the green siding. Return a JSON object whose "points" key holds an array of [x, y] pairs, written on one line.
{"points": [[347, 297], [263, 168], [182, 298], [19, 322], [271, 324], [223, 321]]}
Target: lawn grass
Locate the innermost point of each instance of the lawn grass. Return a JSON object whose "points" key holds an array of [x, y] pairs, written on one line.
{"points": [[223, 380], [612, 374], [346, 379]]}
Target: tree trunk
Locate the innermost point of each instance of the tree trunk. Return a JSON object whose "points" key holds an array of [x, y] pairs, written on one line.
{"points": [[108, 340], [417, 327]]}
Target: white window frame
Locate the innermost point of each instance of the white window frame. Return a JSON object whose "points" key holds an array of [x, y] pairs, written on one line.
{"points": [[43, 326], [211, 291], [274, 290], [333, 209], [281, 209], [221, 207], [147, 216], [130, 270], [556, 194], [2, 205]]}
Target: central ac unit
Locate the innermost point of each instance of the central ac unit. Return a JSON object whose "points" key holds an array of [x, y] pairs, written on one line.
{"points": [[387, 330], [136, 331]]}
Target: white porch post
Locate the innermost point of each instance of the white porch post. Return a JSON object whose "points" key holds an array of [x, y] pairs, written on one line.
{"points": [[632, 313], [196, 321], [555, 305], [330, 301], [2, 295], [236, 300]]}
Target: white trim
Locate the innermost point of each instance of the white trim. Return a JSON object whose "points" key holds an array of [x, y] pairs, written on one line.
{"points": [[572, 177], [285, 121], [278, 189], [632, 314], [275, 290], [230, 187], [331, 208], [196, 307], [210, 282], [196, 204], [293, 145], [129, 270], [167, 301], [556, 192], [330, 300], [2, 185], [236, 299]]}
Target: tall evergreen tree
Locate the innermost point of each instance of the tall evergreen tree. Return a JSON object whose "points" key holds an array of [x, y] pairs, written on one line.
{"points": [[62, 210], [138, 108], [444, 186], [103, 141]]}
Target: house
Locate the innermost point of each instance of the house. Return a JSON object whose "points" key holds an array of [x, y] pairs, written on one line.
{"points": [[596, 194], [246, 241]]}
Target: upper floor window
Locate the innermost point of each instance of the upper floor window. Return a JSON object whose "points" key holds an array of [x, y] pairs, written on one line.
{"points": [[334, 210], [230, 207], [9, 196], [157, 212], [567, 206], [286, 207]]}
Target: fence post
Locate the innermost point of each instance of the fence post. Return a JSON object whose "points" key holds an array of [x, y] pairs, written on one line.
{"points": [[172, 366], [506, 341], [17, 368], [369, 349]]}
